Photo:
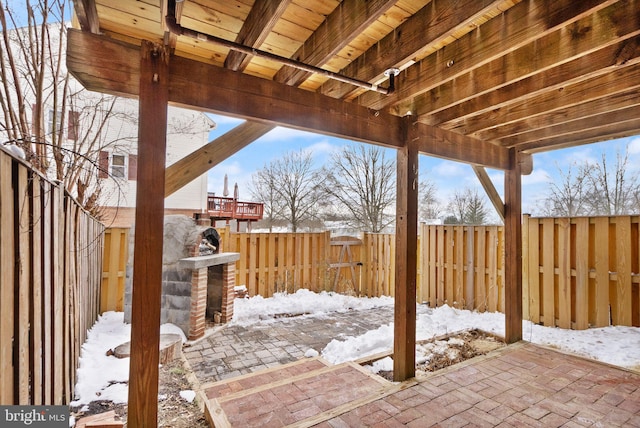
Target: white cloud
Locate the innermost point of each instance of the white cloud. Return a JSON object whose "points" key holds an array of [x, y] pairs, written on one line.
{"points": [[322, 147], [281, 134], [634, 146], [537, 176], [449, 169]]}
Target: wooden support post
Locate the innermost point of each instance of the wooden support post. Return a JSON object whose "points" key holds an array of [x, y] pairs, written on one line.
{"points": [[513, 249], [147, 258], [404, 336]]}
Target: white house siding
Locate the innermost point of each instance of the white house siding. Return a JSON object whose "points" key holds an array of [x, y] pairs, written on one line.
{"points": [[187, 131]]}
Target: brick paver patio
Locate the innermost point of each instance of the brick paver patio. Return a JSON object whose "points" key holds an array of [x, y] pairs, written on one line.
{"points": [[518, 385]]}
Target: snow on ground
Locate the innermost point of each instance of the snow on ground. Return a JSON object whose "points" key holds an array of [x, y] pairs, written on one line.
{"points": [[302, 302], [102, 377]]}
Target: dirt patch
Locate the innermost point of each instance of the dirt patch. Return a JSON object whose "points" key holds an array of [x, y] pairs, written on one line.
{"points": [[173, 410], [441, 352]]}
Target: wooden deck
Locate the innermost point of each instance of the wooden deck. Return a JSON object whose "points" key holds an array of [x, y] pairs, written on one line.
{"points": [[519, 385], [224, 208]]}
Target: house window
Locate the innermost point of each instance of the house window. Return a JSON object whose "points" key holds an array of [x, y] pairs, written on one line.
{"points": [[118, 166], [55, 121]]}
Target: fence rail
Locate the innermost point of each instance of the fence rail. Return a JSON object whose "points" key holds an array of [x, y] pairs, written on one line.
{"points": [[50, 266]]}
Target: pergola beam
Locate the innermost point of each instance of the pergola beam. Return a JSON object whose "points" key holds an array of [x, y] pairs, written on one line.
{"points": [[408, 41], [202, 160], [255, 30], [468, 96], [343, 25], [87, 14], [490, 189], [241, 95]]}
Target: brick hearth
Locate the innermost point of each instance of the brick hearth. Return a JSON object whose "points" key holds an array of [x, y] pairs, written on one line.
{"points": [[200, 269]]}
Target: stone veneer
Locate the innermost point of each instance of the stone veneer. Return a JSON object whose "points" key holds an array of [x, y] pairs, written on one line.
{"points": [[203, 280], [185, 283]]}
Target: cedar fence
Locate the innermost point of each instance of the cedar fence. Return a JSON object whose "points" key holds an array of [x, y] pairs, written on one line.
{"points": [[582, 272], [285, 262], [577, 272], [50, 265]]}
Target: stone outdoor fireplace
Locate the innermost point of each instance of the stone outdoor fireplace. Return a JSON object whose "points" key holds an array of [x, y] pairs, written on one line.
{"points": [[196, 281]]}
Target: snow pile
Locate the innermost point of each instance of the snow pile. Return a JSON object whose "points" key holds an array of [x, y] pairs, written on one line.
{"points": [[102, 376], [188, 395], [302, 302], [613, 345]]}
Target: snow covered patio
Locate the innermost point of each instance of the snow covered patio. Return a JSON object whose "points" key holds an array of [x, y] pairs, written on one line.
{"points": [[519, 385], [254, 371]]}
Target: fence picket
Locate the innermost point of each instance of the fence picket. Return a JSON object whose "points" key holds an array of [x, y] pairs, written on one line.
{"points": [[24, 277], [601, 287], [621, 295], [481, 269], [47, 289], [564, 273], [35, 319], [548, 272], [459, 266], [7, 263], [449, 243], [252, 265], [492, 269], [470, 294], [582, 273]]}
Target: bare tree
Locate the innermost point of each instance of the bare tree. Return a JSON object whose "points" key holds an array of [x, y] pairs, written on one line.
{"points": [[263, 188], [596, 188], [362, 181], [429, 205], [568, 197], [292, 183], [611, 190], [60, 126], [467, 207]]}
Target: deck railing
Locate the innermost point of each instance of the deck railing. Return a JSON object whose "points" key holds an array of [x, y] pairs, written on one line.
{"points": [[231, 208]]}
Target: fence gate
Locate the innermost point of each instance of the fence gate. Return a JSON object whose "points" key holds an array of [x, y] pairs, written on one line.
{"points": [[346, 261]]}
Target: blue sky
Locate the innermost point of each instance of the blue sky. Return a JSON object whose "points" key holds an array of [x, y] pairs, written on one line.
{"points": [[447, 175]]}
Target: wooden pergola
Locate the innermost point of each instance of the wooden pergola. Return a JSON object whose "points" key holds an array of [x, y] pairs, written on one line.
{"points": [[484, 82]]}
